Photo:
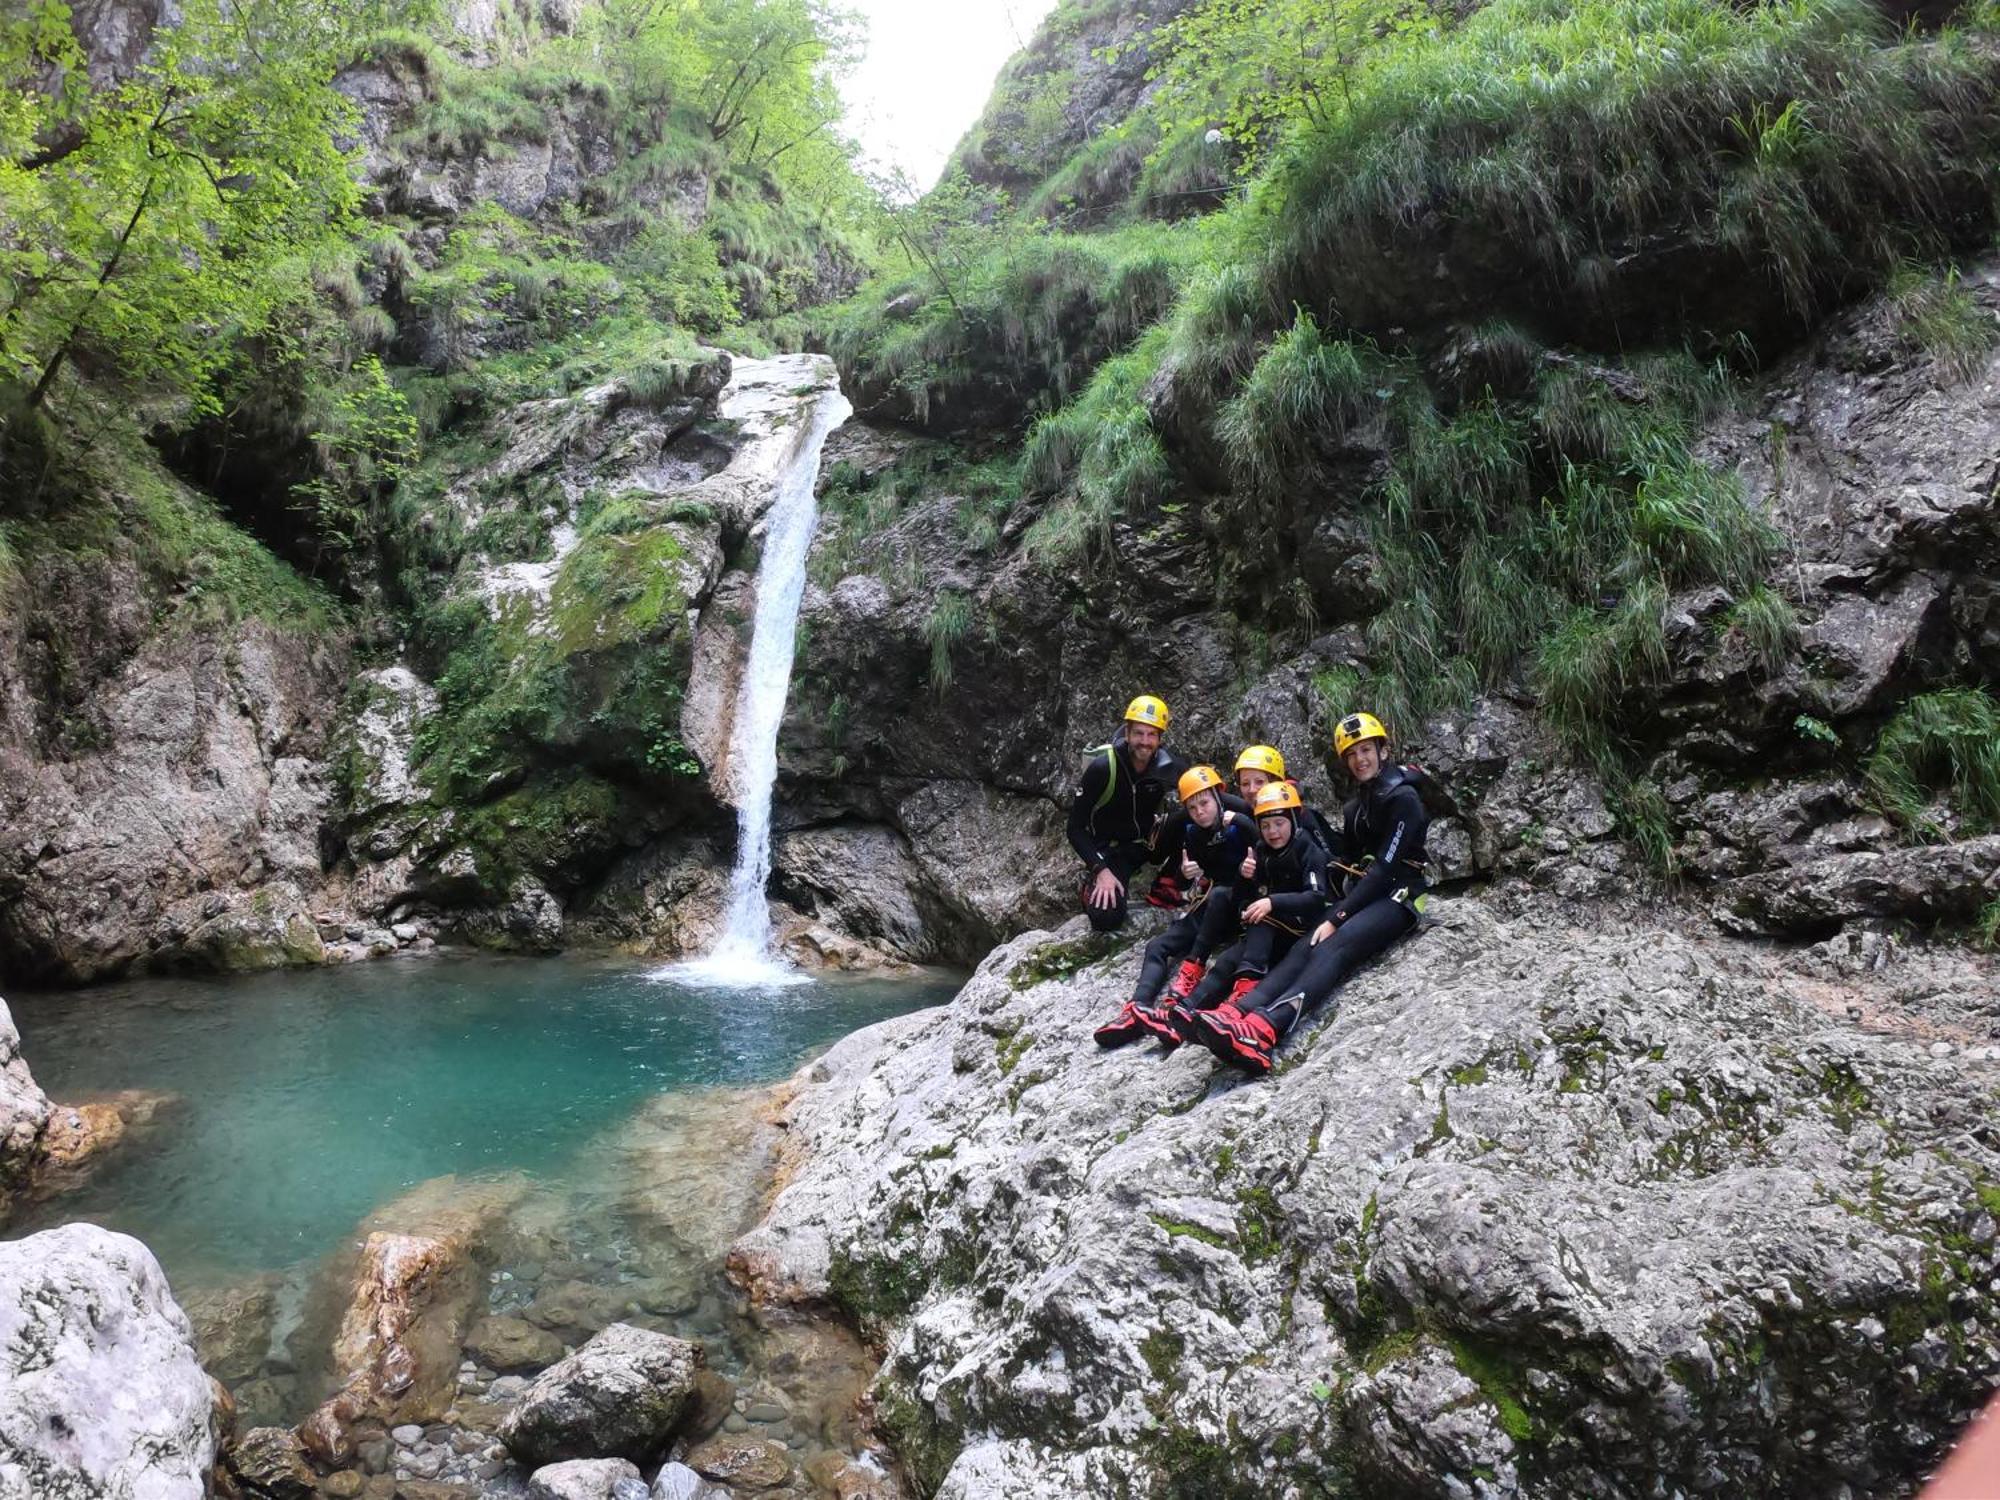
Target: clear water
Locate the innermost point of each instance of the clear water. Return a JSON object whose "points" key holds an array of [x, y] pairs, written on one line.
{"points": [[308, 1099]]}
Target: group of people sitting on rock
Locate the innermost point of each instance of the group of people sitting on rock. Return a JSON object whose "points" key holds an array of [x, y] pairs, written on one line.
{"points": [[1277, 905]]}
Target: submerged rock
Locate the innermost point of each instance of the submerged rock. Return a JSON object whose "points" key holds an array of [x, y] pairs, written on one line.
{"points": [[271, 1461], [510, 1345], [101, 1394], [233, 1327], [742, 1463], [80, 1134], [414, 1289], [1558, 1204], [620, 1395], [679, 1482]]}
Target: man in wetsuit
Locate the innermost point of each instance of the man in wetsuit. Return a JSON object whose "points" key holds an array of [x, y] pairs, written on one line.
{"points": [[1114, 813], [1381, 837], [1218, 834]]}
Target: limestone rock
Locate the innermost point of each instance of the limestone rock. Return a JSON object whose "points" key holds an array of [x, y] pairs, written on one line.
{"points": [[861, 879], [530, 922], [511, 1346], [24, 1111], [271, 1461], [583, 1479], [620, 1395], [101, 1394], [1533, 1130], [679, 1482], [1928, 884], [243, 931], [187, 831]]}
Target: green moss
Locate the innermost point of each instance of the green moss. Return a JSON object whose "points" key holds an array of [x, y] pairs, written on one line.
{"points": [[1259, 1224], [1468, 1075], [1161, 1350], [618, 587], [1010, 1047], [1178, 1229], [1497, 1381], [923, 1443], [1060, 960]]}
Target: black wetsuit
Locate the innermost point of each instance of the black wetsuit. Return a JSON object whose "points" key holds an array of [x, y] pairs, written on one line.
{"points": [[1112, 819], [1295, 880], [1219, 852], [1383, 825]]}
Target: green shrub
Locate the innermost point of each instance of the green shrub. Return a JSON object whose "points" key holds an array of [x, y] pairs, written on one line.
{"points": [[1768, 625], [1302, 399], [1938, 317], [949, 620], [1944, 742]]}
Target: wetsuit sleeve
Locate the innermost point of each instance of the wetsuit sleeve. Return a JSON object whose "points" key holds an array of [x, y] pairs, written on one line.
{"points": [[1092, 849], [1308, 905], [1407, 822]]}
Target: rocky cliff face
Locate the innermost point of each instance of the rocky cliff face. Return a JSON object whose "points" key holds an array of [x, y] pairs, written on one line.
{"points": [[1561, 1201], [1875, 458]]}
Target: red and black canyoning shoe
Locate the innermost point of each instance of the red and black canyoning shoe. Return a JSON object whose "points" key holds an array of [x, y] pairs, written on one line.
{"points": [[1241, 988], [1186, 977], [1128, 1025], [1165, 891], [1158, 1019], [1244, 1041]]}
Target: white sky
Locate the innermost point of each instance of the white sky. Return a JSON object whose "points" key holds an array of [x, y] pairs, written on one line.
{"points": [[929, 67]]}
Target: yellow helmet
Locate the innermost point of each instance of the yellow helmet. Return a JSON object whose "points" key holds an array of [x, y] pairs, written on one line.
{"points": [[1355, 728], [1262, 758], [1146, 709], [1198, 779], [1279, 796]]}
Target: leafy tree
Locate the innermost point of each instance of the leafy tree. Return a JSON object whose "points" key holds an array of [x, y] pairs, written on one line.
{"points": [[760, 77], [1253, 68], [147, 221]]}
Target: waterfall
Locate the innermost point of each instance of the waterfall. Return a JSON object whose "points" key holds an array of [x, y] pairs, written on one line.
{"points": [[742, 955]]}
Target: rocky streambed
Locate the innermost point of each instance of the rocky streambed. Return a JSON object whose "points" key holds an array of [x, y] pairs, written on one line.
{"points": [[556, 1299]]}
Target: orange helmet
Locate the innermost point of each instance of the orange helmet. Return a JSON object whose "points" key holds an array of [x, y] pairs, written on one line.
{"points": [[1279, 796], [1198, 779]]}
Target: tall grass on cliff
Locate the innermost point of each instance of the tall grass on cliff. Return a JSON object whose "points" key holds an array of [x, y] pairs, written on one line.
{"points": [[1801, 142], [1545, 526], [1948, 743]]}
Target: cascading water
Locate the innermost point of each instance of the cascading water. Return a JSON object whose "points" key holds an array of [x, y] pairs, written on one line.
{"points": [[742, 955]]}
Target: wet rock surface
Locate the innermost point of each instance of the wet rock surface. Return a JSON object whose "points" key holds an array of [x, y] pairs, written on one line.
{"points": [[101, 1394], [1564, 1197]]}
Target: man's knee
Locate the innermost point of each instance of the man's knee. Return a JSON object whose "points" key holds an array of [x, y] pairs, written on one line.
{"points": [[1106, 918]]}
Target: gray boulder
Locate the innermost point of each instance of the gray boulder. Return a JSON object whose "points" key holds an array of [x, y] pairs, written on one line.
{"points": [[620, 1395], [1559, 1203], [584, 1479], [102, 1396], [679, 1482]]}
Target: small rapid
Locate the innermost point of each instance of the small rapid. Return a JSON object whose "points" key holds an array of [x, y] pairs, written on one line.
{"points": [[742, 956]]}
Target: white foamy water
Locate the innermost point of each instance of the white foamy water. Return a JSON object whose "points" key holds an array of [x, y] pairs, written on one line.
{"points": [[743, 956]]}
